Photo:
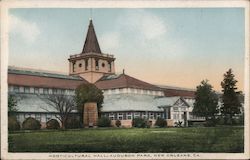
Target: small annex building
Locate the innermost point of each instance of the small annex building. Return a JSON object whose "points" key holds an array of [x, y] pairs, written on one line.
{"points": [[125, 97]]}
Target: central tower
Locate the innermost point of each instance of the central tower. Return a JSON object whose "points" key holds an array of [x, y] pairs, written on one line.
{"points": [[91, 64]]}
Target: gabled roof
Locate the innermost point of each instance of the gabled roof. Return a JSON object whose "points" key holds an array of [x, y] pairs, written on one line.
{"points": [[42, 79], [124, 81], [91, 43]]}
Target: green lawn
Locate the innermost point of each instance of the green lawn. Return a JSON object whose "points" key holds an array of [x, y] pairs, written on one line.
{"points": [[218, 139]]}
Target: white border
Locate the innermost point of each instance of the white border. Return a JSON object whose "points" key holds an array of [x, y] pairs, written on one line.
{"points": [[7, 4]]}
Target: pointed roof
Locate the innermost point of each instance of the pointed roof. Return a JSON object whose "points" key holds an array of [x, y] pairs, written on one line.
{"points": [[124, 81], [91, 43]]}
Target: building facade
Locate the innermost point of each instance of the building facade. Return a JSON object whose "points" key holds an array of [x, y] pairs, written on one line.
{"points": [[125, 97]]}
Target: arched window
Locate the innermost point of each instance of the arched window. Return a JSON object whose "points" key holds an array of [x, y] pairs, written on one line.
{"points": [[86, 64], [96, 64], [109, 65]]}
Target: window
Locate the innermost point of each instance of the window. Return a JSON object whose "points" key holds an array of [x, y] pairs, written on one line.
{"points": [[26, 89], [111, 116], [144, 115], [96, 64], [73, 66], [27, 115], [109, 65], [176, 116], [136, 115], [16, 89], [103, 65], [38, 117], [182, 116], [151, 116], [120, 116], [48, 117], [80, 65], [158, 115], [45, 91], [36, 90], [129, 115], [86, 64], [54, 91], [175, 108]]}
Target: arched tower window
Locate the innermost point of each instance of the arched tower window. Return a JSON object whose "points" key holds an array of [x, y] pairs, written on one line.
{"points": [[110, 66], [96, 64], [73, 66], [86, 64]]}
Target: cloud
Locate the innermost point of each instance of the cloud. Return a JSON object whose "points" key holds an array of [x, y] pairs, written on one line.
{"points": [[145, 23], [28, 31], [110, 40]]}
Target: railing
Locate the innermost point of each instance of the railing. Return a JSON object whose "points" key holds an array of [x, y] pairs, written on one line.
{"points": [[91, 53]]}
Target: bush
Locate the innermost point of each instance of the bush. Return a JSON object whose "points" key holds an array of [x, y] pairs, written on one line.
{"points": [[210, 123], [13, 124], [52, 124], [72, 123], [139, 122], [104, 122], [31, 124], [118, 123], [178, 124], [160, 122]]}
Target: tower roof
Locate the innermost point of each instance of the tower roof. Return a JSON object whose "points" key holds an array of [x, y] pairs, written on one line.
{"points": [[91, 43]]}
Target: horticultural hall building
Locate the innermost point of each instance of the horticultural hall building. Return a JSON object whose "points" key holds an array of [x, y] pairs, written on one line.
{"points": [[125, 97]]}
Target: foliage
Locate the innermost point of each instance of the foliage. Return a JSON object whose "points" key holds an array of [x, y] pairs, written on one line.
{"points": [[72, 122], [52, 124], [132, 140], [118, 123], [230, 98], [88, 93], [210, 122], [12, 103], [139, 122], [178, 124], [13, 124], [62, 103], [31, 124], [206, 101], [160, 122], [104, 122]]}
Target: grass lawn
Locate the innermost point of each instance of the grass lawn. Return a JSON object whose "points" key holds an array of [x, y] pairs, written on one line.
{"points": [[218, 139]]}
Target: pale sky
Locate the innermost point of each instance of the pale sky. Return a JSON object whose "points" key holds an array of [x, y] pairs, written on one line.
{"points": [[176, 47]]}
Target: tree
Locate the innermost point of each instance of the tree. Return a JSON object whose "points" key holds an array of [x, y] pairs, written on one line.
{"points": [[231, 98], [206, 101], [88, 93], [12, 104], [63, 103]]}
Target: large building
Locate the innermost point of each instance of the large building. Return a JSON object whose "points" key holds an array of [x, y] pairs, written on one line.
{"points": [[125, 97]]}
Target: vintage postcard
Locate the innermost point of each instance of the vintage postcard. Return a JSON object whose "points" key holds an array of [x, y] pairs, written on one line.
{"points": [[125, 79]]}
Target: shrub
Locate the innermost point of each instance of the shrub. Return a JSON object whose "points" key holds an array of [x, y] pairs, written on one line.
{"points": [[139, 122], [210, 123], [31, 124], [52, 124], [72, 122], [13, 124], [160, 122], [118, 123], [104, 122], [178, 124]]}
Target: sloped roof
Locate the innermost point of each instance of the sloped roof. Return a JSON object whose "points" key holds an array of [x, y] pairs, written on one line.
{"points": [[33, 103], [42, 79], [170, 91], [91, 43], [135, 102], [123, 81]]}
